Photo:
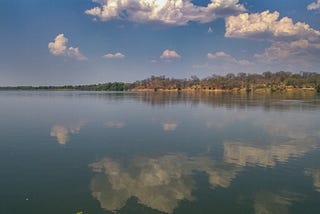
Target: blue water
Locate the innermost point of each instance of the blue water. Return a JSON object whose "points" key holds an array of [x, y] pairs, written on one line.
{"points": [[99, 152]]}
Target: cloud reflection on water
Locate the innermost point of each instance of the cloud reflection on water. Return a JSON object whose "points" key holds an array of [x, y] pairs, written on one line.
{"points": [[162, 182], [271, 138], [115, 124], [169, 126], [245, 154], [159, 183], [315, 173], [270, 203], [62, 132]]}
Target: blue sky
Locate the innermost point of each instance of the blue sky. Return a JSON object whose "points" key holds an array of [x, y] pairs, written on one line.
{"points": [[56, 42]]}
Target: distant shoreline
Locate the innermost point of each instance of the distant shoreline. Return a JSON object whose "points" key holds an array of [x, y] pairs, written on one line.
{"points": [[189, 90], [235, 90], [258, 83]]}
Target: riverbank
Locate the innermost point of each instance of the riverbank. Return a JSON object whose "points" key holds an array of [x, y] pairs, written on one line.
{"points": [[234, 90]]}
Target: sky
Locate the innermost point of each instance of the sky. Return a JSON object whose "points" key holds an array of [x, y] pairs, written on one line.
{"points": [[58, 42]]}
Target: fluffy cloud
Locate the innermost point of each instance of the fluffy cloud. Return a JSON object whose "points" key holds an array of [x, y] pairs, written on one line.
{"points": [[222, 56], [293, 44], [267, 25], [314, 5], [59, 48], [114, 56], [169, 54], [300, 51], [172, 12]]}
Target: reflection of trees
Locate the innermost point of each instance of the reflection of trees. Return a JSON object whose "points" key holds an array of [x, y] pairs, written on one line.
{"points": [[160, 183], [230, 100], [62, 132], [290, 100]]}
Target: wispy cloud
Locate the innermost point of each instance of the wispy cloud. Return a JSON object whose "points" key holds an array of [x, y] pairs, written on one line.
{"points": [[114, 56], [314, 5], [59, 48], [296, 52], [222, 56]]}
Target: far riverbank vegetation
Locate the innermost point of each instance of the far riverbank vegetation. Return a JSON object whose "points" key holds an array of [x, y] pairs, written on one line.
{"points": [[266, 82]]}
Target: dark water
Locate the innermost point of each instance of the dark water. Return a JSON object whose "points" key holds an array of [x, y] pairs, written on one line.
{"points": [[66, 152]]}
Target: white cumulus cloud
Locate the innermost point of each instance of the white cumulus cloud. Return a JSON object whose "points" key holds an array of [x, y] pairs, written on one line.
{"points": [[172, 12], [59, 48], [169, 54], [114, 56], [292, 44], [268, 26], [314, 5]]}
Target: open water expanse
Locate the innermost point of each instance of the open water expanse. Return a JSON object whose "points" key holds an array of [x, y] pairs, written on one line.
{"points": [[99, 152]]}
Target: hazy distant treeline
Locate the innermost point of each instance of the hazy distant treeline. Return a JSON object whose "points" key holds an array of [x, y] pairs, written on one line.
{"points": [[274, 81], [111, 86]]}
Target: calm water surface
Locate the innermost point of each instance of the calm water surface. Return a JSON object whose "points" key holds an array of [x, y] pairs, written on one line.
{"points": [[63, 152]]}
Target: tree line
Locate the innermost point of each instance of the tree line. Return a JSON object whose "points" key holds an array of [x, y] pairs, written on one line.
{"points": [[277, 81], [111, 86]]}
